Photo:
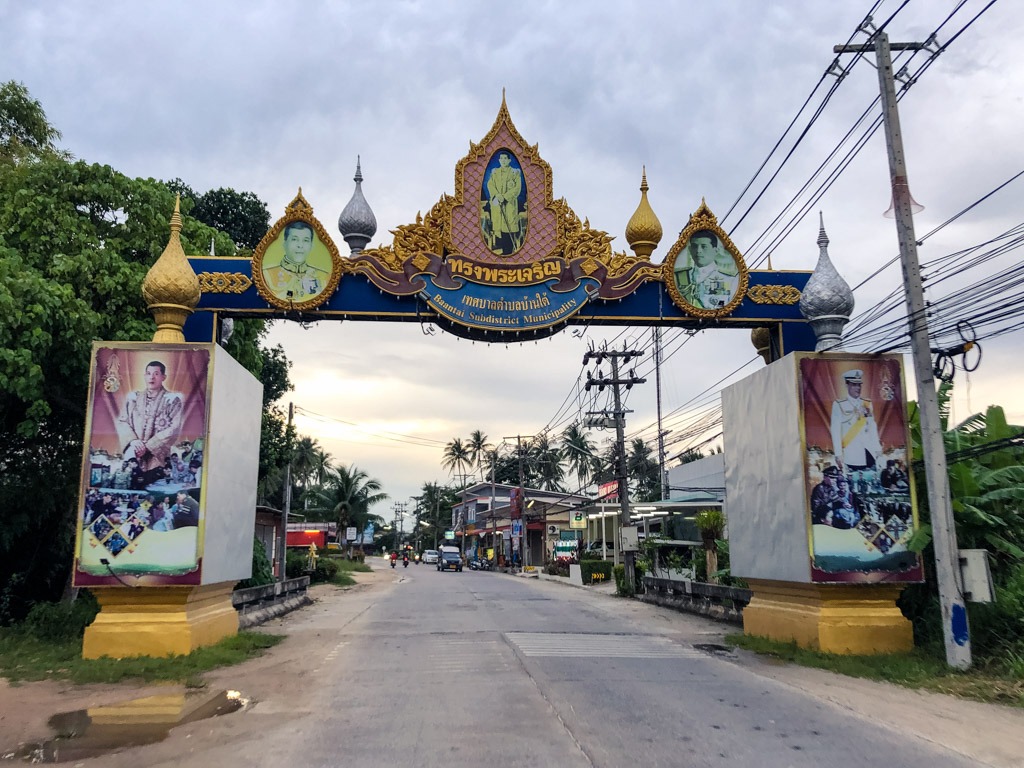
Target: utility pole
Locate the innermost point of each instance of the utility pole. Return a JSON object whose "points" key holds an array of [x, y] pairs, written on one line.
{"points": [[399, 509], [287, 498], [955, 628], [662, 474], [494, 519], [523, 538], [620, 434]]}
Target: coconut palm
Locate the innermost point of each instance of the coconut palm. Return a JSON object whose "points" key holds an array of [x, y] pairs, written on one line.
{"points": [[643, 469], [456, 457], [347, 495], [322, 466], [545, 463], [578, 451], [304, 460], [478, 448]]}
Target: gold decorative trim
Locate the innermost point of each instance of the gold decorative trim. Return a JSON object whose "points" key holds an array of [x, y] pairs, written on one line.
{"points": [[170, 287], [224, 282], [774, 294], [704, 220], [297, 210], [477, 152]]}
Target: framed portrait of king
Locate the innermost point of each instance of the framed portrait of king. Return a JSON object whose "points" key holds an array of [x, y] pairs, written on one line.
{"points": [[296, 265], [704, 272]]}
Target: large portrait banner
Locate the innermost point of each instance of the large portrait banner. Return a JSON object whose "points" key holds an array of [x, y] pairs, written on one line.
{"points": [[858, 479], [140, 510]]}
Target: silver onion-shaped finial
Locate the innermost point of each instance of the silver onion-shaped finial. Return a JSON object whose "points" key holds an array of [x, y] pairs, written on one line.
{"points": [[826, 301], [357, 223]]}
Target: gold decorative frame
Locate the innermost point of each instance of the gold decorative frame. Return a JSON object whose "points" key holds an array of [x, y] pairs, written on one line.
{"points": [[774, 294], [704, 219], [544, 216], [297, 210], [223, 282]]}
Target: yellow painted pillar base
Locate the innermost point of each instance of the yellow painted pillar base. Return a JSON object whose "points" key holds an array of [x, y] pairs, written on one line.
{"points": [[160, 621], [833, 618]]}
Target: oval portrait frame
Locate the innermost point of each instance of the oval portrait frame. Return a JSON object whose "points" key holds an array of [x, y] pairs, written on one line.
{"points": [[703, 220], [298, 210]]}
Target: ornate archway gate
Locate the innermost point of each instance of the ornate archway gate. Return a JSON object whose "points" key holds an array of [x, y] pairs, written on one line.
{"points": [[172, 430], [501, 260]]}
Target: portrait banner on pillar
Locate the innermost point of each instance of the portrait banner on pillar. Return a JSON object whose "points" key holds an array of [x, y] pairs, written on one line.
{"points": [[857, 469], [140, 503]]}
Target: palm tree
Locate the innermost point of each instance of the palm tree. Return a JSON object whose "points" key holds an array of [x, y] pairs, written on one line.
{"points": [[456, 457], [644, 470], [347, 496], [304, 458], [478, 448], [578, 451], [321, 466], [545, 463]]}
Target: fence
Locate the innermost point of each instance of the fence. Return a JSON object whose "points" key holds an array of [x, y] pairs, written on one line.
{"points": [[711, 600], [258, 604]]}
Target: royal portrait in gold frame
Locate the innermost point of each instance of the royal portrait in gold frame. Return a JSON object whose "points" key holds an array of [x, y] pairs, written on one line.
{"points": [[296, 265], [704, 271]]}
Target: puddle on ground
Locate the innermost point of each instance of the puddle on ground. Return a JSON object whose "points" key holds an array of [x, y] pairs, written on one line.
{"points": [[713, 648], [99, 730]]}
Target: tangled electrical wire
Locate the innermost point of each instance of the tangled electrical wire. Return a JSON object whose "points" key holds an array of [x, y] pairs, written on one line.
{"points": [[968, 350]]}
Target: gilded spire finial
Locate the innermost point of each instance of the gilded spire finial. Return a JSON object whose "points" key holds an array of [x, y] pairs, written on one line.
{"points": [[171, 288], [643, 232]]}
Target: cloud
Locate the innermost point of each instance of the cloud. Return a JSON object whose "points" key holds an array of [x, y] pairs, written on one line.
{"points": [[267, 97]]}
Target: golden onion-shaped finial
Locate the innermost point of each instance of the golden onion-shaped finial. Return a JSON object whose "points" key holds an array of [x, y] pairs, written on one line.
{"points": [[761, 338], [643, 233], [171, 288]]}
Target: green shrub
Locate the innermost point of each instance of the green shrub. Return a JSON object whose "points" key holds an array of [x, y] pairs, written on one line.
{"points": [[622, 587], [557, 568], [296, 563], [60, 622], [262, 569], [595, 571], [325, 570]]}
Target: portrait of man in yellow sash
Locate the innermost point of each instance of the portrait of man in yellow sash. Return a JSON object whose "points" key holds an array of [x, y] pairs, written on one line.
{"points": [[301, 267], [503, 210], [854, 429]]}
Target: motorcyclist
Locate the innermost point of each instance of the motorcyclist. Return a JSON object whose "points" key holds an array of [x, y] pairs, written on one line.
{"points": [[394, 558], [405, 559]]}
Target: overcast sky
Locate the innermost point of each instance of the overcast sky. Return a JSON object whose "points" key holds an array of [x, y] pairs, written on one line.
{"points": [[270, 96]]}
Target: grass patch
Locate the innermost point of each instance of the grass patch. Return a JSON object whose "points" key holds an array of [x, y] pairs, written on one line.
{"points": [[917, 669], [353, 566], [24, 657], [342, 579]]}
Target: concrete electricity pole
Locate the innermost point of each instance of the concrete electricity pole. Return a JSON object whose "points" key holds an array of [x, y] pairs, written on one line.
{"points": [[620, 437], [287, 499], [947, 556]]}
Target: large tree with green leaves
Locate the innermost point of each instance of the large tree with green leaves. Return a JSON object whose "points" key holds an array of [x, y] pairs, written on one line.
{"points": [[76, 240], [346, 497], [25, 133], [241, 214]]}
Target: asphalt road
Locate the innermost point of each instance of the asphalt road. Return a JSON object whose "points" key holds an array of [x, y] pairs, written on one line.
{"points": [[482, 669]]}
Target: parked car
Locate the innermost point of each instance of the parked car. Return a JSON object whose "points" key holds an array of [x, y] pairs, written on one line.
{"points": [[596, 546], [430, 557], [449, 560]]}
